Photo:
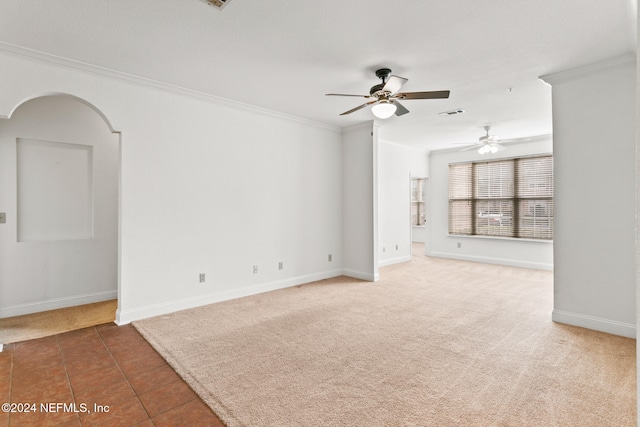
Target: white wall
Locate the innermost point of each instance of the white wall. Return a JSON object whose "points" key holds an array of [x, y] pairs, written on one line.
{"points": [[513, 252], [396, 165], [54, 266], [419, 234], [207, 186], [594, 154], [359, 208]]}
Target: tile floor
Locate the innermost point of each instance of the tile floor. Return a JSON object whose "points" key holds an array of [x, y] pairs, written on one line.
{"points": [[114, 377]]}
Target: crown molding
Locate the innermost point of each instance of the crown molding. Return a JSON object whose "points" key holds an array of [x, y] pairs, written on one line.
{"points": [[510, 142], [143, 81], [589, 69]]}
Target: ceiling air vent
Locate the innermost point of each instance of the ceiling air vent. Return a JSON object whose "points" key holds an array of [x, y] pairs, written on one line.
{"points": [[452, 112], [217, 3]]}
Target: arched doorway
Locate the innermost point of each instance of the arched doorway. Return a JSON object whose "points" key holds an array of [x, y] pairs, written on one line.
{"points": [[59, 172]]}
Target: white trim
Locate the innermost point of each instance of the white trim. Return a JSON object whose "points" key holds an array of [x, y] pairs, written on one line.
{"points": [[587, 70], [503, 158], [492, 260], [362, 275], [509, 142], [119, 75], [393, 261], [508, 239], [127, 316], [56, 303], [595, 323]]}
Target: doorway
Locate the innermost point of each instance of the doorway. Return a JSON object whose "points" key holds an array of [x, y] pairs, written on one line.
{"points": [[59, 172], [418, 215]]}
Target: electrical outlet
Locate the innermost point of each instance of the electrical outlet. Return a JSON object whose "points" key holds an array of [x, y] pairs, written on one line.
{"points": [[280, 265], [202, 278], [330, 257], [396, 247], [384, 249], [3, 218], [255, 269], [459, 245]]}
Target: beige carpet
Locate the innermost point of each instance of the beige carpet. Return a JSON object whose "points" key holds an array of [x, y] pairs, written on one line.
{"points": [[434, 343], [53, 322]]}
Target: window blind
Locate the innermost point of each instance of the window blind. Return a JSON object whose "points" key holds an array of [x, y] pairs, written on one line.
{"points": [[460, 199], [535, 197], [508, 198]]}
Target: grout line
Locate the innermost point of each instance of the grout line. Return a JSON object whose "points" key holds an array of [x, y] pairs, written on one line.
{"points": [[67, 350], [11, 348], [66, 373], [124, 375], [178, 379]]}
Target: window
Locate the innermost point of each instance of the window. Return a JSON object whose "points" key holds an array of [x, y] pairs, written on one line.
{"points": [[418, 214], [508, 198]]}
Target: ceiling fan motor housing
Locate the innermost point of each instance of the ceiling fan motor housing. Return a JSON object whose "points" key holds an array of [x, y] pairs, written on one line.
{"points": [[376, 88]]}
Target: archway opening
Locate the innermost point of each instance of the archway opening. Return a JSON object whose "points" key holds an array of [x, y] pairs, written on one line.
{"points": [[59, 191]]}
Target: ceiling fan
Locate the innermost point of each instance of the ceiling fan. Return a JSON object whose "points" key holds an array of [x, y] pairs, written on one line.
{"points": [[486, 143], [385, 96]]}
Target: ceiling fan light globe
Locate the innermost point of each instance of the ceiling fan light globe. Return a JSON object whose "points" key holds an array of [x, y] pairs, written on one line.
{"points": [[484, 149], [494, 149], [383, 110]]}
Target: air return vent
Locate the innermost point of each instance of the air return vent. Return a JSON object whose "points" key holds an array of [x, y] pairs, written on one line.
{"points": [[452, 112], [217, 3]]}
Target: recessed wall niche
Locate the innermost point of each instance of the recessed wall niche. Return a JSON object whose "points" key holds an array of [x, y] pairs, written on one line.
{"points": [[55, 190]]}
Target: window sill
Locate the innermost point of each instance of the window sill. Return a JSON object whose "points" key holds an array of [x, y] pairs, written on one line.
{"points": [[508, 239]]}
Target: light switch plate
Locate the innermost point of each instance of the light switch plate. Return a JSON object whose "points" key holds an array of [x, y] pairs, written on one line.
{"points": [[3, 218]]}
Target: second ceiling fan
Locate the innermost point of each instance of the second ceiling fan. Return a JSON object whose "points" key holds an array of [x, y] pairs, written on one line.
{"points": [[486, 144], [384, 96]]}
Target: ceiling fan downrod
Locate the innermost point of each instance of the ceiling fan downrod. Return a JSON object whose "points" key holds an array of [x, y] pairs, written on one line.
{"points": [[383, 74]]}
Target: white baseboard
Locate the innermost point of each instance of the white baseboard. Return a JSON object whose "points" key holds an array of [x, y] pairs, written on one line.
{"points": [[396, 260], [127, 316], [595, 323], [56, 303], [491, 260], [362, 275]]}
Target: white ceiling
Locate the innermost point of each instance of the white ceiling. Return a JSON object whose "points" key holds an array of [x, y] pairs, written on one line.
{"points": [[285, 55]]}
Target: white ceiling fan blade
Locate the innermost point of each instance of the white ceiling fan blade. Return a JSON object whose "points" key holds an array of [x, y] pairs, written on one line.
{"points": [[394, 84]]}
